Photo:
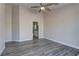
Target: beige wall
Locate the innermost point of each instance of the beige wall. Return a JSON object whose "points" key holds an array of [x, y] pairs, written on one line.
{"points": [[8, 10], [61, 25], [2, 28], [26, 18], [12, 22], [19, 23], [15, 23]]}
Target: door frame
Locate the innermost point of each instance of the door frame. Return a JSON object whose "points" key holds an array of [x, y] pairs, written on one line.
{"points": [[37, 29]]}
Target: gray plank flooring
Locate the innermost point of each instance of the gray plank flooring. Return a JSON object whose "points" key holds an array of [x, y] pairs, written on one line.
{"points": [[41, 47]]}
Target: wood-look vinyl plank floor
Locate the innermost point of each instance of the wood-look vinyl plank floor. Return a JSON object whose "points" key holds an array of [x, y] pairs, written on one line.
{"points": [[41, 47]]}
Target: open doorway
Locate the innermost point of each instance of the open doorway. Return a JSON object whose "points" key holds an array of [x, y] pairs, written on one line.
{"points": [[35, 31]]}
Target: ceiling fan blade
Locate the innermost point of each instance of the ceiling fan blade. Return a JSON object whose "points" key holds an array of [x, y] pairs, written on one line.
{"points": [[40, 10], [35, 7], [48, 9], [49, 4], [41, 4], [55, 3]]}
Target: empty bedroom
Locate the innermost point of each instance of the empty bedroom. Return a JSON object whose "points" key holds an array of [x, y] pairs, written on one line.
{"points": [[39, 29]]}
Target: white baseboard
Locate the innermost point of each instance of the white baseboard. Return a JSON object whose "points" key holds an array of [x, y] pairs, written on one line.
{"points": [[27, 40], [2, 49], [19, 40], [73, 46], [22, 40]]}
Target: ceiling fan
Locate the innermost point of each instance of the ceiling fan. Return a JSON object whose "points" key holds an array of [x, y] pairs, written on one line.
{"points": [[44, 6]]}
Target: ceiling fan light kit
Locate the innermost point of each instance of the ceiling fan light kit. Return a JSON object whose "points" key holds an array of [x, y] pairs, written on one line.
{"points": [[44, 6]]}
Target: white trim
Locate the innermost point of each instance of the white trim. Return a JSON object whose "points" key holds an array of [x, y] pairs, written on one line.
{"points": [[73, 46], [24, 40], [2, 49]]}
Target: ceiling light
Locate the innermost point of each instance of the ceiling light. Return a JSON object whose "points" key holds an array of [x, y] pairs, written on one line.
{"points": [[42, 8]]}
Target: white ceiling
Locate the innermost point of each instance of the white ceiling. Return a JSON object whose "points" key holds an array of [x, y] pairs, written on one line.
{"points": [[28, 5], [37, 4]]}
